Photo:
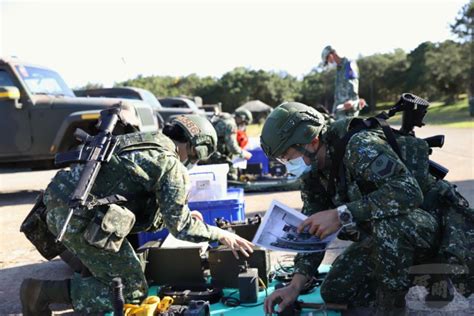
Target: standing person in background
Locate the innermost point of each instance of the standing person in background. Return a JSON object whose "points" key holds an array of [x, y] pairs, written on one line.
{"points": [[346, 92], [228, 148]]}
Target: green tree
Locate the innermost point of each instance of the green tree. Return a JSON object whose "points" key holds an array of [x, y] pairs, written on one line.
{"points": [[91, 85], [318, 88], [463, 27], [448, 70]]}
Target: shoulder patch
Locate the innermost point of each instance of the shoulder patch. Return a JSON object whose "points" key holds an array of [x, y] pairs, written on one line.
{"points": [[351, 70], [383, 166]]}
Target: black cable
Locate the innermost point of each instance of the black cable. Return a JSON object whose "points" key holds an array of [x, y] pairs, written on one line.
{"points": [[234, 302]]}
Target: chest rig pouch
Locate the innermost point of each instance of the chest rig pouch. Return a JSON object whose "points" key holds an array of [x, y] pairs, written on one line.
{"points": [[109, 226], [36, 230]]}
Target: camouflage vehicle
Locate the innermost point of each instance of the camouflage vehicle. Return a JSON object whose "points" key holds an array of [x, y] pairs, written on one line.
{"points": [[39, 114]]}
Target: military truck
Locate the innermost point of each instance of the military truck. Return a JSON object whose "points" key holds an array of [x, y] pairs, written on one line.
{"points": [[164, 111], [39, 114]]}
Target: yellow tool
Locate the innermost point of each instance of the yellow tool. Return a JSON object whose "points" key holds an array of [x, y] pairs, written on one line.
{"points": [[147, 308], [165, 304]]}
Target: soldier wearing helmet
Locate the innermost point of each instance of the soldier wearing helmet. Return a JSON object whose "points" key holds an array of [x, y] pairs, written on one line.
{"points": [[147, 170], [346, 92], [228, 148], [374, 200]]}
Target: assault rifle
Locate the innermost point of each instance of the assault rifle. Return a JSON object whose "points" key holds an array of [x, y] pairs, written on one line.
{"points": [[95, 151], [413, 110]]}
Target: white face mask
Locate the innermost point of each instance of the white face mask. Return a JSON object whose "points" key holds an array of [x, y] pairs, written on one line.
{"points": [[332, 65], [297, 167]]}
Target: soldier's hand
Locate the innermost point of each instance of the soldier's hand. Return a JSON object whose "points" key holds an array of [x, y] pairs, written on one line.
{"points": [[283, 297], [236, 243], [321, 224], [247, 155], [347, 105], [197, 215]]}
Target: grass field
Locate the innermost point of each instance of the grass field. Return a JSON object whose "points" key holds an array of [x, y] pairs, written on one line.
{"points": [[453, 115]]}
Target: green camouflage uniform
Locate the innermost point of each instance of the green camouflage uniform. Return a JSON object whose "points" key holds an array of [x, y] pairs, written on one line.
{"points": [[346, 88], [227, 146], [146, 169], [383, 198]]}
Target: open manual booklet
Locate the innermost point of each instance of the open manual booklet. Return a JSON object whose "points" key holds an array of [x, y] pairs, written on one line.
{"points": [[278, 231]]}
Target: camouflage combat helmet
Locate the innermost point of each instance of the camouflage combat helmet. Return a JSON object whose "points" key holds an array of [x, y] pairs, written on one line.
{"points": [[324, 55], [199, 132], [245, 115], [291, 123]]}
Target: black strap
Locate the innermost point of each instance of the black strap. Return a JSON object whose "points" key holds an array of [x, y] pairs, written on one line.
{"points": [[389, 134], [111, 199], [356, 125]]}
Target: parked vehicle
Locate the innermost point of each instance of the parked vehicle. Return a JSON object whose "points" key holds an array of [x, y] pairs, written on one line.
{"points": [[39, 114], [163, 111]]}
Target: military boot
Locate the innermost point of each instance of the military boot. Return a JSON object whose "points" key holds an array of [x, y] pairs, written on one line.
{"points": [[36, 295], [390, 303]]}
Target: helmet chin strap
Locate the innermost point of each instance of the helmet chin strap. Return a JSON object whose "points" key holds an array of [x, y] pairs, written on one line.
{"points": [[311, 155]]}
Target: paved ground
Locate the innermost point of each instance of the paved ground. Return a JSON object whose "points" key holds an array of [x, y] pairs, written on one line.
{"points": [[18, 189]]}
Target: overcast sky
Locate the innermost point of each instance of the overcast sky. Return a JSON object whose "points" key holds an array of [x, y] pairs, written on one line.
{"points": [[109, 41]]}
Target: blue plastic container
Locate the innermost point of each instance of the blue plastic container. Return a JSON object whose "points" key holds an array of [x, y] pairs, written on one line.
{"points": [[258, 157], [145, 237], [231, 208]]}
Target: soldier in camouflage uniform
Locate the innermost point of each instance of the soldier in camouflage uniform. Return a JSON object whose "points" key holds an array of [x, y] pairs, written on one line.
{"points": [[377, 205], [228, 148], [346, 93], [147, 169]]}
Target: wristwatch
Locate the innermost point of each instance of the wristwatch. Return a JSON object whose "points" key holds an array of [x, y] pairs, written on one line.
{"points": [[345, 216]]}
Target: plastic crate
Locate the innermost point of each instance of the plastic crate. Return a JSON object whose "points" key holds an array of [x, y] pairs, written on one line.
{"points": [[231, 208], [259, 157]]}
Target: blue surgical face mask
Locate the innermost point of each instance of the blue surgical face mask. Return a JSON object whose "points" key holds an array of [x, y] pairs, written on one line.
{"points": [[297, 167]]}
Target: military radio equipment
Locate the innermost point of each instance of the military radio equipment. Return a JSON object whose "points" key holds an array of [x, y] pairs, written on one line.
{"points": [[413, 110], [248, 285], [245, 229], [117, 296], [95, 151], [225, 268]]}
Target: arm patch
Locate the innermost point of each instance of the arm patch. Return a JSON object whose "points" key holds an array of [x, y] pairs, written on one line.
{"points": [[383, 166], [351, 70]]}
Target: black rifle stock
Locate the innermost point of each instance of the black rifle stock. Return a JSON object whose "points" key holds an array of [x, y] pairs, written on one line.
{"points": [[96, 150]]}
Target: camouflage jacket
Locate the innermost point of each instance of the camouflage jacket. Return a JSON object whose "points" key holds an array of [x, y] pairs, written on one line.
{"points": [[226, 129], [378, 184], [347, 84], [147, 171]]}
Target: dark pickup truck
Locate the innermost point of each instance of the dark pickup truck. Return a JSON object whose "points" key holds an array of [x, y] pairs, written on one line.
{"points": [[39, 114], [165, 109]]}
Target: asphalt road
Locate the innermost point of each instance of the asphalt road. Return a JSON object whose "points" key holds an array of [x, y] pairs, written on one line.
{"points": [[18, 189]]}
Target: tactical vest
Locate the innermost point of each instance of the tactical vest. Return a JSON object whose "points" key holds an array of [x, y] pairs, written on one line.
{"points": [[441, 199], [141, 198]]}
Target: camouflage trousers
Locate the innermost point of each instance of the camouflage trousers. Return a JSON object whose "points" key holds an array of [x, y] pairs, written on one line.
{"points": [[382, 260], [92, 295]]}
